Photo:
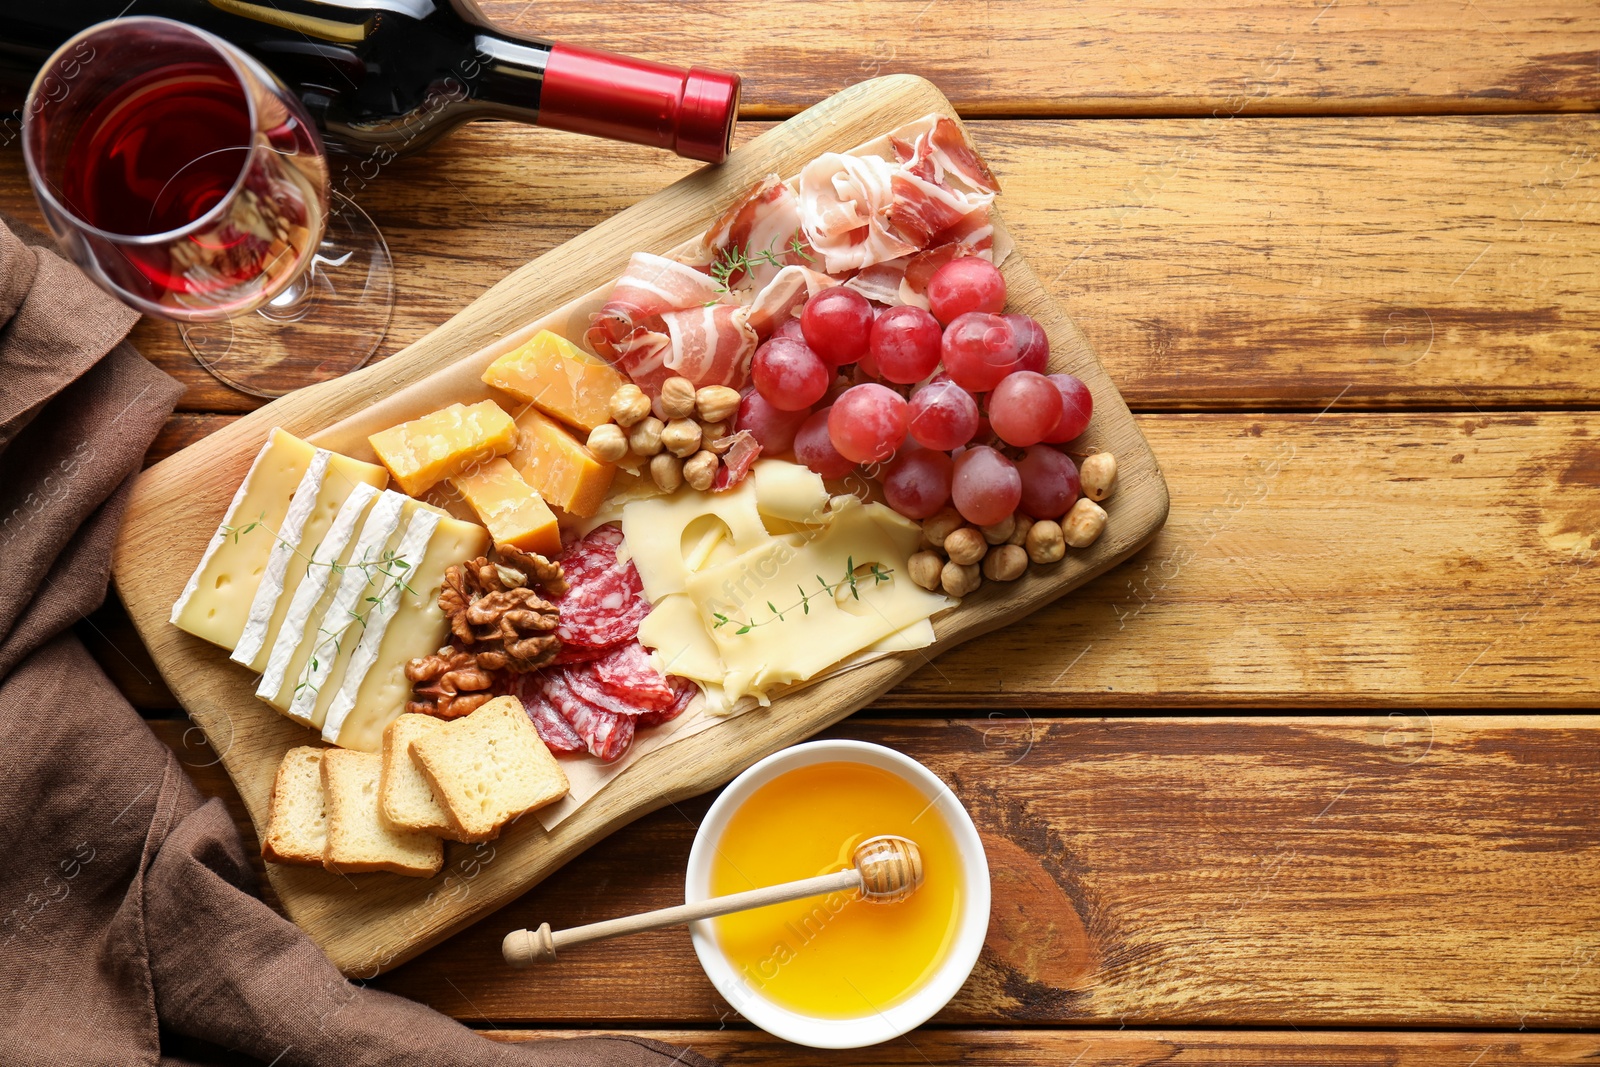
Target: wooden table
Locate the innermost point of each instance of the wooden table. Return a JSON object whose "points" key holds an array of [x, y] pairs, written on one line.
{"points": [[1342, 260]]}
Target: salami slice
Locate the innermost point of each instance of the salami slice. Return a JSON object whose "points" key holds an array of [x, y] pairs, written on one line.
{"points": [[687, 691], [557, 733], [583, 683], [604, 603], [626, 672], [605, 734], [577, 655]]}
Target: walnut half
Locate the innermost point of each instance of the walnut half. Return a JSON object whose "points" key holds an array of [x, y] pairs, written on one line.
{"points": [[448, 684]]}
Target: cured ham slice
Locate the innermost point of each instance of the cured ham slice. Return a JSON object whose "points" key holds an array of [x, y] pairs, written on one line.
{"points": [[843, 200], [881, 281], [939, 152], [651, 285], [736, 461], [711, 345], [762, 228], [778, 300]]}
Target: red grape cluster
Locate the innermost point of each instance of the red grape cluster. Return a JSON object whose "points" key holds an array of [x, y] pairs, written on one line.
{"points": [[953, 403]]}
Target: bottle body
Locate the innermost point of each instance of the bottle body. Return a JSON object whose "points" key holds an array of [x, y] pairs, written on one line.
{"points": [[388, 77]]}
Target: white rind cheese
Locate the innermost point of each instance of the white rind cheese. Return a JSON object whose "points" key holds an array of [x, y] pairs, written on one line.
{"points": [[215, 603], [290, 533], [418, 628], [407, 557]]}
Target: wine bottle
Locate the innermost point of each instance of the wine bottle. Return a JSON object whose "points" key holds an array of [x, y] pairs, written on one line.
{"points": [[386, 77]]}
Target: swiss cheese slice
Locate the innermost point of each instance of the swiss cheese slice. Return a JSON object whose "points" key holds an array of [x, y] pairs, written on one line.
{"points": [[215, 604], [789, 491], [326, 485], [672, 536], [740, 601], [363, 708], [681, 645], [313, 593]]}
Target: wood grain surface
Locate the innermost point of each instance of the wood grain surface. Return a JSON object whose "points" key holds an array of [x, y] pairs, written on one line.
{"points": [[1400, 870], [1100, 57], [1282, 263], [1354, 559], [369, 924], [1131, 1048]]}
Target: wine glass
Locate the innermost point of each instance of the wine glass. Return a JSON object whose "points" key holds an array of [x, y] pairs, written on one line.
{"points": [[186, 180]]}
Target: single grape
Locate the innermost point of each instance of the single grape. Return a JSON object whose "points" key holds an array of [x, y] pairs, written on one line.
{"points": [[979, 350], [837, 324], [905, 344], [986, 487], [1049, 482], [1077, 405], [916, 483], [789, 375], [1024, 407], [789, 328], [1035, 348], [964, 285], [943, 415], [773, 427], [868, 422], [814, 448]]}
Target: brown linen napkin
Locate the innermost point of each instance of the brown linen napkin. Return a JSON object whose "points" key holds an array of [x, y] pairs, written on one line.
{"points": [[128, 928]]}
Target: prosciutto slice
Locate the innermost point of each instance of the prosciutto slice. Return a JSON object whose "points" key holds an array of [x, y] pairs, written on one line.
{"points": [[788, 290], [711, 345], [940, 152], [651, 285], [763, 225], [842, 204]]}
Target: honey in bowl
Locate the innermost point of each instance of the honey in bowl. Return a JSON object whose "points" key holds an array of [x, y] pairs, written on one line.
{"points": [[835, 956]]}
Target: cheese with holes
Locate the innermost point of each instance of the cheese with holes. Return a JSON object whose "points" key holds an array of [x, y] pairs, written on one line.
{"points": [[508, 506], [375, 690], [740, 601], [314, 591], [559, 378], [680, 643], [423, 452], [789, 491], [215, 604], [669, 537], [326, 485], [559, 467], [315, 644]]}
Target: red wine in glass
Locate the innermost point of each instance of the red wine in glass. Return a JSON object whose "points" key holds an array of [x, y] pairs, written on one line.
{"points": [[186, 180]]}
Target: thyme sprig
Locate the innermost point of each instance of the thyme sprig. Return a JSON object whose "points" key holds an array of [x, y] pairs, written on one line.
{"points": [[734, 260], [851, 581]]}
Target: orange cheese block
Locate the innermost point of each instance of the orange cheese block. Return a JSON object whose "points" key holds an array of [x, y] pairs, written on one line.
{"points": [[559, 378], [508, 506], [558, 465], [423, 452]]}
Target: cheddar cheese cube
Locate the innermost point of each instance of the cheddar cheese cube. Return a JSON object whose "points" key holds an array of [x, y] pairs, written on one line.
{"points": [[423, 452], [559, 378], [508, 506], [558, 465]]}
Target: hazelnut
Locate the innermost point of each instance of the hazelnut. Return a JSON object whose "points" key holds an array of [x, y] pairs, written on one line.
{"points": [[1000, 532], [681, 437], [677, 398], [1045, 543], [1098, 475], [700, 470], [608, 442], [629, 405], [1005, 563], [1083, 523], [965, 546], [644, 437], [941, 525], [717, 403], [713, 431], [1019, 535], [926, 568], [959, 579], [667, 470]]}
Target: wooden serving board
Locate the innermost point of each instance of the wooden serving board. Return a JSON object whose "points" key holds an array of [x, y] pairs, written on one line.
{"points": [[369, 923]]}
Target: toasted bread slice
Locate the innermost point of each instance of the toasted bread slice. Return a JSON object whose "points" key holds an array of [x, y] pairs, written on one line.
{"points": [[358, 839], [489, 767], [405, 798], [297, 814]]}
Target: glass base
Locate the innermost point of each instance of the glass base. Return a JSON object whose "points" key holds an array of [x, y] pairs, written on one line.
{"points": [[328, 322]]}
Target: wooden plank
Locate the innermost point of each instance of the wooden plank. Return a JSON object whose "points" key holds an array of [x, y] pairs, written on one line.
{"points": [[1286, 263], [1371, 560], [1099, 57], [1408, 872], [183, 430], [1126, 1048], [373, 924]]}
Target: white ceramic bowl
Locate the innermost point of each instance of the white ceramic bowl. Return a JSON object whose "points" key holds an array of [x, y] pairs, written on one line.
{"points": [[915, 1009]]}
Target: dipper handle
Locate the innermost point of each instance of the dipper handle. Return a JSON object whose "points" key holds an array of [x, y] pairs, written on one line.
{"points": [[524, 947]]}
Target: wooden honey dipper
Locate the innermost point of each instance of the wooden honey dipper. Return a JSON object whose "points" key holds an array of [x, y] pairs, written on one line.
{"points": [[886, 869]]}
